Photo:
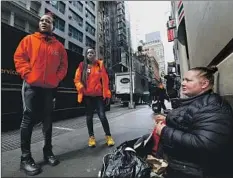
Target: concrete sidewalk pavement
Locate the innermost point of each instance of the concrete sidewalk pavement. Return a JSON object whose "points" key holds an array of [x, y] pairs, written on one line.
{"points": [[77, 159]]}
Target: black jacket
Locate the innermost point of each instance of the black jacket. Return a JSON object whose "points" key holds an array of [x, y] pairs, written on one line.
{"points": [[198, 138]]}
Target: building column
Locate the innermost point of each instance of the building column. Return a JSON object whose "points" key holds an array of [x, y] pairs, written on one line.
{"points": [[27, 26], [28, 5], [12, 19]]}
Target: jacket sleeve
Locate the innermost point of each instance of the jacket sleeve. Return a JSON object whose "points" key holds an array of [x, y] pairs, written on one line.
{"points": [[62, 70], [21, 58], [77, 80], [105, 83], [211, 131]]}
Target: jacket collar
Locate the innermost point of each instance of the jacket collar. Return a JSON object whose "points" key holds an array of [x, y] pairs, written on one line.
{"points": [[44, 36], [187, 101]]}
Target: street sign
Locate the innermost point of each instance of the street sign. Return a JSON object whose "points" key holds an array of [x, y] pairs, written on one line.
{"points": [[171, 24]]}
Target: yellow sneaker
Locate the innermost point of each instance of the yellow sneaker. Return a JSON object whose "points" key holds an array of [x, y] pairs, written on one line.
{"points": [[110, 141], [91, 141]]}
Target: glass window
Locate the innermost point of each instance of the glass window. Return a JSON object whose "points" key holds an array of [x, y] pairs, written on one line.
{"points": [[22, 3], [90, 16], [77, 18], [75, 48], [78, 5], [59, 5], [32, 28], [59, 24], [91, 4], [19, 23], [62, 40], [90, 42], [75, 33], [101, 50], [35, 7], [90, 29], [5, 16]]}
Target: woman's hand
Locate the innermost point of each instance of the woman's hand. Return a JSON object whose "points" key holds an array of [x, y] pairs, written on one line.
{"points": [[159, 127], [107, 101], [159, 118]]}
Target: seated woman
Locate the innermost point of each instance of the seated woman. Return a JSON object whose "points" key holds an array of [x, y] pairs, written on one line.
{"points": [[198, 136]]}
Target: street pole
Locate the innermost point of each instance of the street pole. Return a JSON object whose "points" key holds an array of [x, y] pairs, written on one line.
{"points": [[131, 103]]}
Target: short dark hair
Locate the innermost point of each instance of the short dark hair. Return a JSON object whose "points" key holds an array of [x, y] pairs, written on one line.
{"points": [[207, 72]]}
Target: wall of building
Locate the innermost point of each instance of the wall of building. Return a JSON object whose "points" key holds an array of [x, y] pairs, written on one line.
{"points": [[209, 29], [156, 49], [26, 15]]}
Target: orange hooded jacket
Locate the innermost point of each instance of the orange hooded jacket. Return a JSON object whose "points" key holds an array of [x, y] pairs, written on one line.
{"points": [[41, 60], [97, 81]]}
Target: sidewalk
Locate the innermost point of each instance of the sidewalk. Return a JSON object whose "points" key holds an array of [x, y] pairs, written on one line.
{"points": [[77, 160]]}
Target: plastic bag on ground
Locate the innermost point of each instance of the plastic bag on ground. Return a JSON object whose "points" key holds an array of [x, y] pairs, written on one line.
{"points": [[124, 163]]}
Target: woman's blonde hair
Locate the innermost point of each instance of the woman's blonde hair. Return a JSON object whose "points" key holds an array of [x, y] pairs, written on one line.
{"points": [[207, 72]]}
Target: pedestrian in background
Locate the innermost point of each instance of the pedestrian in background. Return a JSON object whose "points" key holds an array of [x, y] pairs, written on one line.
{"points": [[41, 61], [92, 83], [162, 95]]}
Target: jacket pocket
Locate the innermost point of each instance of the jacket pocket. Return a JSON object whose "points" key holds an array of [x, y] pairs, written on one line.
{"points": [[52, 80], [35, 76]]}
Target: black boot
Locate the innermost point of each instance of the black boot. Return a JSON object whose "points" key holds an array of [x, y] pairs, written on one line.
{"points": [[29, 166], [50, 158]]}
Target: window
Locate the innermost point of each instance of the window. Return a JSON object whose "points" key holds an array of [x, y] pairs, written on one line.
{"points": [[91, 4], [62, 40], [75, 48], [22, 3], [101, 50], [76, 17], [5, 17], [90, 29], [19, 23], [90, 16], [59, 24], [75, 33], [78, 5], [32, 28], [35, 7], [90, 42], [120, 25], [59, 5]]}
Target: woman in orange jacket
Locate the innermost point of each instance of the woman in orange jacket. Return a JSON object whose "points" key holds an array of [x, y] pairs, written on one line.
{"points": [[92, 83]]}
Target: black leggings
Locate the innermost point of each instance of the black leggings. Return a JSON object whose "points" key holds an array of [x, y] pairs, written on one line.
{"points": [[37, 105], [91, 104]]}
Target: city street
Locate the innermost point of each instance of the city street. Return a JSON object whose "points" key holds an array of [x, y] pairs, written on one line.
{"points": [[70, 143], [77, 54]]}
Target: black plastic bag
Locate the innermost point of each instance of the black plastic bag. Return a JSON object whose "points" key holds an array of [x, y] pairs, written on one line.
{"points": [[124, 163], [156, 107]]}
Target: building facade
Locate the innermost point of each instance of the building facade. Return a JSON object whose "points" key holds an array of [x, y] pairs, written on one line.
{"points": [[204, 38], [113, 37], [154, 36], [156, 49], [75, 21]]}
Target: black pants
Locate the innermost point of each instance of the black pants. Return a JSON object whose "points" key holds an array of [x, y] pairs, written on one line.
{"points": [[37, 104], [91, 104], [162, 104]]}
